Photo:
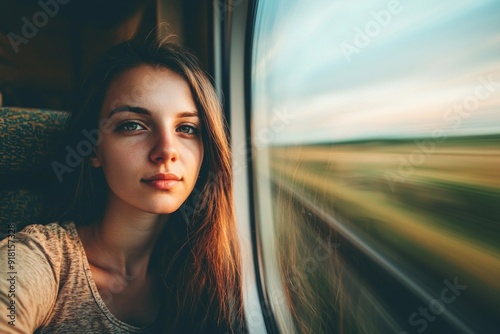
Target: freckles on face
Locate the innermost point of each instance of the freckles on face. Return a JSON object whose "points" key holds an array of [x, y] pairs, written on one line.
{"points": [[152, 154]]}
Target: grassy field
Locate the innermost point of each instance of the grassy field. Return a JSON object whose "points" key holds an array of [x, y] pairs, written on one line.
{"points": [[436, 207]]}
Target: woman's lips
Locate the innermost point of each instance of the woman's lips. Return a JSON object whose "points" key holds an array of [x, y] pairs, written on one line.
{"points": [[162, 184], [162, 181]]}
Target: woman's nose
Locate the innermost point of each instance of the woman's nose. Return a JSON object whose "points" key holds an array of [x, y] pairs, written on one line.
{"points": [[164, 148]]}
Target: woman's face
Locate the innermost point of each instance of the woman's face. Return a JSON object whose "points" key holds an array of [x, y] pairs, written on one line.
{"points": [[152, 153]]}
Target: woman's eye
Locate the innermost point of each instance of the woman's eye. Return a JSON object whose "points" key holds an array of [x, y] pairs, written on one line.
{"points": [[188, 129], [130, 127]]}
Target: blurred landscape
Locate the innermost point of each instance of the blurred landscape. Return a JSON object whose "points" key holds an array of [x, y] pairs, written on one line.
{"points": [[437, 218], [347, 153]]}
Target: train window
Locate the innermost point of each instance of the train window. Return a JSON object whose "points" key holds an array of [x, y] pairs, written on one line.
{"points": [[375, 134]]}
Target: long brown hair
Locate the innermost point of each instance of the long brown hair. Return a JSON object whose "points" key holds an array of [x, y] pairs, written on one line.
{"points": [[199, 251]]}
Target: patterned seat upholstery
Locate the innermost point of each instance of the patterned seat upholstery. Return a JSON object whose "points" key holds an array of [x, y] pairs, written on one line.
{"points": [[28, 140]]}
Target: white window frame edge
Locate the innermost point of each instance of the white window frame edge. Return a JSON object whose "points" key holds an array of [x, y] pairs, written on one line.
{"points": [[253, 310]]}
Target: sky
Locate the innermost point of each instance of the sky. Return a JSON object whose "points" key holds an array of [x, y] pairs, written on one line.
{"points": [[351, 70]]}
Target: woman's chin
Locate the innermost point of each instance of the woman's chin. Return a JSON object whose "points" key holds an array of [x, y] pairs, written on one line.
{"points": [[162, 210]]}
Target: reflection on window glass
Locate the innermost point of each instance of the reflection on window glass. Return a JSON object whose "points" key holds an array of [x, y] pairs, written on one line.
{"points": [[376, 154]]}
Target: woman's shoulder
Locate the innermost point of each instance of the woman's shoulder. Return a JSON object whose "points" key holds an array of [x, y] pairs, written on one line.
{"points": [[54, 242], [52, 231], [39, 259]]}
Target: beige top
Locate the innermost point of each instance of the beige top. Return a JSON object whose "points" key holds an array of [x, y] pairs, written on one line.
{"points": [[46, 285]]}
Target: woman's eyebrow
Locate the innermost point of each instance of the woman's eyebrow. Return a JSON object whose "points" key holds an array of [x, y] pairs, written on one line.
{"points": [[137, 110], [187, 114]]}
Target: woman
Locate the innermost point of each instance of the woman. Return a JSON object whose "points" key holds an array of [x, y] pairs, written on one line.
{"points": [[149, 242]]}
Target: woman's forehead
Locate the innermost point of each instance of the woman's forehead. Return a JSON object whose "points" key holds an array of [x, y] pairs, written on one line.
{"points": [[151, 87]]}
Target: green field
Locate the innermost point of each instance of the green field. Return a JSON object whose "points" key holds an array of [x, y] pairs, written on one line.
{"points": [[439, 207]]}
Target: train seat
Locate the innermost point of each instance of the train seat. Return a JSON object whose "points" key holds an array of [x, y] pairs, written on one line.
{"points": [[28, 140]]}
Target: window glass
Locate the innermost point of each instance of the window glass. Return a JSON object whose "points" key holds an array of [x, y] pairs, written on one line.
{"points": [[376, 145]]}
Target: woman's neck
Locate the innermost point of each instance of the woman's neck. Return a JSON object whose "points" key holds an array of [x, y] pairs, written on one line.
{"points": [[123, 241]]}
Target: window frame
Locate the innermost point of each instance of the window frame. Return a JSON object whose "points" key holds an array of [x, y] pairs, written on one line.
{"points": [[233, 39]]}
